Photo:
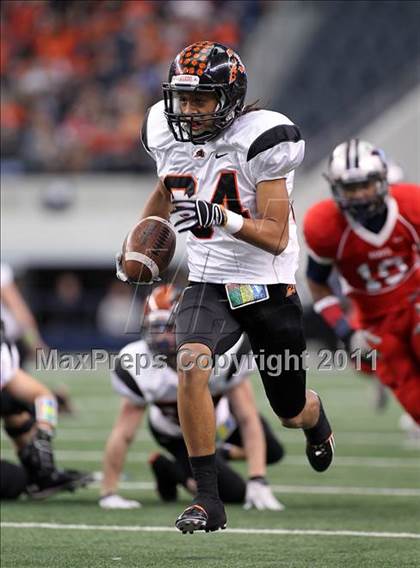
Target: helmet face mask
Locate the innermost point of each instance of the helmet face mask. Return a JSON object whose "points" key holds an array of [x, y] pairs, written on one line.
{"points": [[204, 67], [357, 173], [365, 207], [182, 124]]}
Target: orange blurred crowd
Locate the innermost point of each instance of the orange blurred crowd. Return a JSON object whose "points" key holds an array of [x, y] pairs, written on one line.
{"points": [[77, 76]]}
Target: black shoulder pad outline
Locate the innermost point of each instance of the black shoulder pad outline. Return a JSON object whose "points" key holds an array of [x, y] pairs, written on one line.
{"points": [[127, 379], [144, 131], [272, 137]]}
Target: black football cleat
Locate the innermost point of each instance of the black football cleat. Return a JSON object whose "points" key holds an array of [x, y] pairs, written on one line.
{"points": [[209, 517], [58, 480], [320, 456]]}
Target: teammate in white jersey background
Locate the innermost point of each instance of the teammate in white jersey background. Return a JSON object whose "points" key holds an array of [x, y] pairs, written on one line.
{"points": [[226, 175], [30, 416], [143, 385]]}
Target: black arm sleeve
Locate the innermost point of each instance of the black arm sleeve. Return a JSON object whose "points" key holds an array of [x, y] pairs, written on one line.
{"points": [[317, 272]]}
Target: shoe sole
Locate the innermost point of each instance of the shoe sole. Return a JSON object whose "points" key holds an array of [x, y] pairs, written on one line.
{"points": [[222, 528], [192, 525], [50, 491]]}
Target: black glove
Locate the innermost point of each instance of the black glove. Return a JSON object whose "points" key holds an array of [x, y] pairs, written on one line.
{"points": [[197, 214], [37, 456]]}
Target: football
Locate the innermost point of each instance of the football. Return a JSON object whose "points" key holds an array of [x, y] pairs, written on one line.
{"points": [[148, 249]]}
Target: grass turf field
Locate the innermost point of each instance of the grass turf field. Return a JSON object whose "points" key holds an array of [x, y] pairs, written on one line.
{"points": [[364, 512]]}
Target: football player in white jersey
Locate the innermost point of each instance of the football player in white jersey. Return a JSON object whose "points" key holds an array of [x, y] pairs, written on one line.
{"points": [[145, 375], [226, 175], [30, 416]]}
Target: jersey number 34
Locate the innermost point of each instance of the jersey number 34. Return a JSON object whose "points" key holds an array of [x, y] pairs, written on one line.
{"points": [[226, 194]]}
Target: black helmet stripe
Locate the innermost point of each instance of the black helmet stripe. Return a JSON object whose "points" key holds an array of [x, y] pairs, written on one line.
{"points": [[356, 160], [352, 153], [348, 154]]}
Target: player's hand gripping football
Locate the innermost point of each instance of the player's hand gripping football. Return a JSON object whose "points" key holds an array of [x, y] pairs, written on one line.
{"points": [[121, 275], [197, 214], [259, 496]]}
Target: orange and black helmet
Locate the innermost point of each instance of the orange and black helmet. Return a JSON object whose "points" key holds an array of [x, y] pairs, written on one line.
{"points": [[162, 298], [159, 319], [205, 66]]}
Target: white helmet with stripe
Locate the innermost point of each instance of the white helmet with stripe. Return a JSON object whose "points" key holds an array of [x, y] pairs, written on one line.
{"points": [[356, 163]]}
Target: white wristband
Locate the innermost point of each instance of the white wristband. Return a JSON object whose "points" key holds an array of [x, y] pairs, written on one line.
{"points": [[233, 223], [326, 302]]}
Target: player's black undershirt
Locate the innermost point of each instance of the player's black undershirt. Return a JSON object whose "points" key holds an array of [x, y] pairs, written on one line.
{"points": [[317, 272], [375, 224]]}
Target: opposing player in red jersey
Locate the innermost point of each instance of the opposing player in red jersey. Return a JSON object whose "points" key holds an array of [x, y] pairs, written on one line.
{"points": [[370, 233]]}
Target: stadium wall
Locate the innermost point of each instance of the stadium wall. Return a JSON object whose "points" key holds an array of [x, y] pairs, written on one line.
{"points": [[83, 219]]}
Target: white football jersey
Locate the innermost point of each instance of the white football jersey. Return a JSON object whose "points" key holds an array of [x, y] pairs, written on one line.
{"points": [[156, 382], [167, 424], [260, 145], [9, 363], [13, 329]]}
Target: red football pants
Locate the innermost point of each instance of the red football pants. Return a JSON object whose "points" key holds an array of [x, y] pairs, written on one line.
{"points": [[398, 362]]}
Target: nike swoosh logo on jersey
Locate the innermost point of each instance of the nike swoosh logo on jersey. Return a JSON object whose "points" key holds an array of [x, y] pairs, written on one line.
{"points": [[220, 155]]}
